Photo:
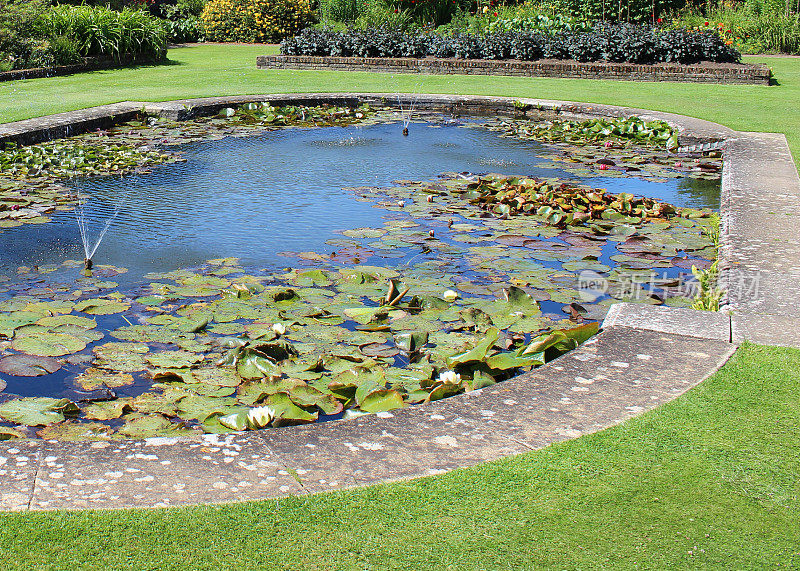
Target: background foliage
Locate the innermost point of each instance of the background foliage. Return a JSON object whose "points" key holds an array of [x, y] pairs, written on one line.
{"points": [[603, 42], [255, 20]]}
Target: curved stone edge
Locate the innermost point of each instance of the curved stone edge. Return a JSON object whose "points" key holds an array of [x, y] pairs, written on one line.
{"points": [[618, 374], [29, 131], [606, 381]]}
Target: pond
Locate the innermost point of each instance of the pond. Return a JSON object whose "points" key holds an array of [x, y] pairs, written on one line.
{"points": [[255, 197], [269, 276]]}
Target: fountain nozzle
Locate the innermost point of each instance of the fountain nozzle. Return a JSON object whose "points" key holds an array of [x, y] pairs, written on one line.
{"points": [[87, 263], [405, 131]]}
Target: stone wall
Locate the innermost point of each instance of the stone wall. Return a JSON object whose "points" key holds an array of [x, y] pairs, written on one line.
{"points": [[700, 73]]}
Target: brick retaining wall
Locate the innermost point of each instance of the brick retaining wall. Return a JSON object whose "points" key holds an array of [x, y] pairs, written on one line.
{"points": [[700, 73]]}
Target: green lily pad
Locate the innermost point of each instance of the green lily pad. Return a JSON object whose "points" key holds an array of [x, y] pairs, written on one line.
{"points": [[92, 379], [101, 306], [77, 431], [147, 426], [382, 400], [28, 366], [36, 411], [107, 410], [7, 433], [48, 344], [173, 359]]}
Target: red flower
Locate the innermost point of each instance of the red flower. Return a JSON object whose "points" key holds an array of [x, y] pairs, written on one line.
{"points": [[706, 23], [494, 14], [660, 20]]}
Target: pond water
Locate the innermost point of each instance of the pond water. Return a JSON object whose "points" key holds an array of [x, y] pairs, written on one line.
{"points": [[401, 272], [254, 197]]}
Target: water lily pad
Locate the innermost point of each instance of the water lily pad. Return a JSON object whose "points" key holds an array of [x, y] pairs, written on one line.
{"points": [[101, 306], [107, 410], [36, 411], [77, 431], [92, 379], [11, 321], [147, 426], [7, 433], [121, 357], [217, 376], [48, 344], [173, 359], [28, 366], [382, 400]]}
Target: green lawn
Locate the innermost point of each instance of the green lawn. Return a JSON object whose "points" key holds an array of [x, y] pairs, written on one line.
{"points": [[709, 480]]}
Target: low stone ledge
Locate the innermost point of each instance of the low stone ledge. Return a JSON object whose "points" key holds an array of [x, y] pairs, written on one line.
{"points": [[706, 72], [672, 320], [30, 131], [614, 376], [40, 129]]}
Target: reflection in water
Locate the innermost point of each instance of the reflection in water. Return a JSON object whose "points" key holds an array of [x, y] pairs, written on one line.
{"points": [[254, 197]]}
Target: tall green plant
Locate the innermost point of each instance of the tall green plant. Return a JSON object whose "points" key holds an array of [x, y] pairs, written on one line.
{"points": [[99, 31]]}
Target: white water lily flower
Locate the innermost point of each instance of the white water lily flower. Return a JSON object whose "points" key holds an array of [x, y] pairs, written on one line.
{"points": [[279, 328], [450, 296], [450, 378], [260, 416]]}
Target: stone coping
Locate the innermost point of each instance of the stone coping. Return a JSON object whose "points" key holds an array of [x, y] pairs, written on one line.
{"points": [[643, 357], [29, 131], [706, 72]]}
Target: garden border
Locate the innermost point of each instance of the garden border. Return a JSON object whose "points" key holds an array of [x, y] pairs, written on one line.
{"points": [[644, 356], [706, 72]]}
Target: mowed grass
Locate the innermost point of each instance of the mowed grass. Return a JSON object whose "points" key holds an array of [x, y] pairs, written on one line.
{"points": [[210, 70], [709, 480]]}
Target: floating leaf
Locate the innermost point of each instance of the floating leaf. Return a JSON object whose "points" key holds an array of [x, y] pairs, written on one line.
{"points": [[382, 400], [28, 366], [92, 379], [101, 306], [173, 359], [77, 431], [48, 344], [107, 410], [36, 411]]}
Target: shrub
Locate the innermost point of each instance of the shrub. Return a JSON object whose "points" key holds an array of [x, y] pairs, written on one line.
{"points": [[99, 31], [255, 20], [182, 20], [604, 42], [19, 39]]}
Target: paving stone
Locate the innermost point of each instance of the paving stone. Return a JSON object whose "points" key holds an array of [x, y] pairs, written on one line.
{"points": [[689, 322], [19, 463], [766, 329], [760, 242], [158, 472]]}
